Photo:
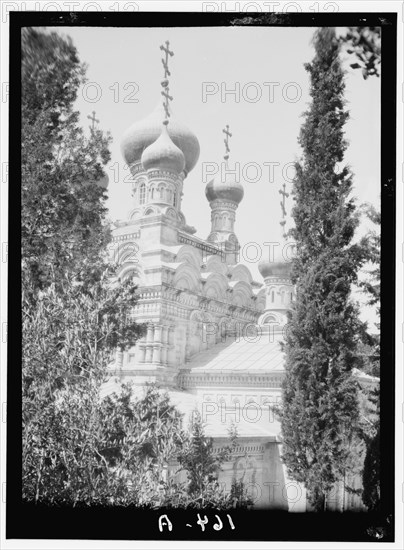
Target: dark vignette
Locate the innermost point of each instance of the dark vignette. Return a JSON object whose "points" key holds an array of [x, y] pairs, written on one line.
{"points": [[24, 521]]}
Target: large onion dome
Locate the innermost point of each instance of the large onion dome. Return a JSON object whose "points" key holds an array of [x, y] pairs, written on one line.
{"points": [[145, 132], [163, 154], [227, 190]]}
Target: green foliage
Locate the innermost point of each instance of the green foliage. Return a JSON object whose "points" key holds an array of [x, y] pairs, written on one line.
{"points": [[369, 347], [372, 284], [320, 402], [198, 459], [68, 338], [371, 474], [370, 432], [63, 210], [365, 44], [202, 464], [80, 448]]}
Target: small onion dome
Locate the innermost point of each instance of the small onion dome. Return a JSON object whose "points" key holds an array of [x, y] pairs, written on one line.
{"points": [[279, 267], [229, 190], [145, 132], [163, 154]]}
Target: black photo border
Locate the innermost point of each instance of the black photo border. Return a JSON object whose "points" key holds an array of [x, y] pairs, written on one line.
{"points": [[27, 521]]}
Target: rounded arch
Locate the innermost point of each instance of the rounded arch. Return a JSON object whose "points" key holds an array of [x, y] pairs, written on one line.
{"points": [[241, 273], [190, 256], [242, 294], [270, 318], [127, 252], [187, 278], [171, 213], [136, 213], [131, 270], [216, 286], [214, 264]]}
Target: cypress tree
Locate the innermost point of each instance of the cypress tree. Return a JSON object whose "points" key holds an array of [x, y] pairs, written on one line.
{"points": [[320, 404]]}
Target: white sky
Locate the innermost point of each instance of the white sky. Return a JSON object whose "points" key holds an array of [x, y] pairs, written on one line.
{"points": [[263, 131]]}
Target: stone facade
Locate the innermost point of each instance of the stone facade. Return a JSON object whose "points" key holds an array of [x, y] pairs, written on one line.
{"points": [[213, 333]]}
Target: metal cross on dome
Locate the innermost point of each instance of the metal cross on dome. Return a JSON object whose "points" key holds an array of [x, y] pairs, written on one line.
{"points": [[93, 121], [226, 142], [168, 52], [282, 203], [165, 83]]}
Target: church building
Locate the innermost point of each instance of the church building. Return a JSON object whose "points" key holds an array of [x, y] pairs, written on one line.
{"points": [[214, 334]]}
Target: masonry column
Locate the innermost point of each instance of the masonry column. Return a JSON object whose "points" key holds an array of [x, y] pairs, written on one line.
{"points": [[164, 350], [157, 344], [142, 350], [149, 343]]}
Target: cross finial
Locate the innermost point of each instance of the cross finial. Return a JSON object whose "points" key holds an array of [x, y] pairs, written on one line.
{"points": [[226, 142], [93, 121], [282, 203], [165, 83], [167, 51], [167, 98]]}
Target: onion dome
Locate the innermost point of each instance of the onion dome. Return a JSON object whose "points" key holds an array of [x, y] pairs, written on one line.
{"points": [[279, 267], [228, 190], [145, 132], [163, 154]]}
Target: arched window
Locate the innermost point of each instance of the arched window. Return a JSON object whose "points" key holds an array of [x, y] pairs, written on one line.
{"points": [[152, 193], [142, 193], [282, 296], [175, 200], [291, 296], [161, 191], [272, 296]]}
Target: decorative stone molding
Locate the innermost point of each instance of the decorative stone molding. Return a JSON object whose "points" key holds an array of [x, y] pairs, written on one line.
{"points": [[242, 450], [220, 204], [191, 379], [210, 249], [128, 237]]}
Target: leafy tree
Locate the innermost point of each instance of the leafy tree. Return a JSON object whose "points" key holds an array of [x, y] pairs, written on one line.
{"points": [[372, 285], [78, 447], [202, 465], [320, 402], [63, 203], [371, 473], [369, 347], [369, 431], [68, 338], [365, 44]]}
